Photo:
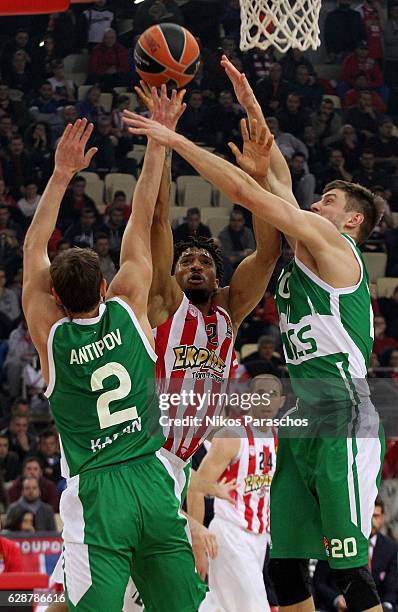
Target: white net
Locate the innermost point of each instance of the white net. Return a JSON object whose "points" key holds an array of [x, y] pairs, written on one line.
{"points": [[281, 23]]}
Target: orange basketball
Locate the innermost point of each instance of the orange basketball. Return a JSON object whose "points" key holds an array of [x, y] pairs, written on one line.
{"points": [[167, 53]]}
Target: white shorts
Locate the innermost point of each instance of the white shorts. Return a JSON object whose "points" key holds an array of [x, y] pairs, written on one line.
{"points": [[236, 575]]}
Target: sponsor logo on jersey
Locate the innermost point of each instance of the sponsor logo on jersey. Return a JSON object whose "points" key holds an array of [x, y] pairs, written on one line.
{"points": [[192, 311], [257, 482], [193, 357], [326, 545]]}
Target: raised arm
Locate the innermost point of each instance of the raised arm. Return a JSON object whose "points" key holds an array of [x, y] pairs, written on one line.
{"points": [[251, 278], [327, 247], [279, 177], [165, 294], [37, 301]]}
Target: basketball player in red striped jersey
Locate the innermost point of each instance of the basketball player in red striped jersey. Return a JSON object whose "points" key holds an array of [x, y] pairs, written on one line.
{"points": [[246, 453], [194, 320]]}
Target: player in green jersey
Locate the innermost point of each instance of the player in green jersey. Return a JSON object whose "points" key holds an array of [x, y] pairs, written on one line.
{"points": [[120, 509], [332, 479]]}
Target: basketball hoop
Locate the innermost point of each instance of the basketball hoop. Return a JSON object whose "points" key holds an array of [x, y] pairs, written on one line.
{"points": [[280, 23]]}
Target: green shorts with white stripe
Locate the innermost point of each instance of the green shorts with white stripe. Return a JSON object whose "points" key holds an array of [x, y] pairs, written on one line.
{"points": [[125, 521], [322, 498]]}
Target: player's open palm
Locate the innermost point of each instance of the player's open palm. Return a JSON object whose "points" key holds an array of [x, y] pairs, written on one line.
{"points": [[165, 110], [70, 156], [255, 157]]}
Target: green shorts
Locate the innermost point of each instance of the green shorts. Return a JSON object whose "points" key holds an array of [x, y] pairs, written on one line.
{"points": [[322, 498], [125, 521]]}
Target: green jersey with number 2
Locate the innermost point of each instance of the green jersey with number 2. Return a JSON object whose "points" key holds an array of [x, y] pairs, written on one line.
{"points": [[102, 389], [327, 333]]}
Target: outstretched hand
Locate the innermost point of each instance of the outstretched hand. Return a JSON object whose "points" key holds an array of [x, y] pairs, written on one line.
{"points": [[165, 110], [243, 91], [142, 126], [69, 155], [224, 490], [255, 157]]}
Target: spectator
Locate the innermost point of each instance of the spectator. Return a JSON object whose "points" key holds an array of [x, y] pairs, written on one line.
{"points": [[266, 354], [326, 122], [82, 231], [99, 18], [7, 131], [391, 46], [10, 261], [389, 309], [350, 146], [194, 122], [106, 143], [90, 107], [224, 120], [31, 501], [74, 201], [64, 89], [20, 42], [364, 117], [385, 144], [119, 128], [272, 91], [10, 556], [361, 83], [367, 175], [359, 62], [28, 204], [49, 456], [334, 171], [373, 18], [315, 152], [292, 117], [109, 65], [8, 302], [45, 107], [17, 74], [151, 12], [237, 240], [68, 114], [383, 565], [382, 342], [344, 29], [20, 352], [258, 63], [230, 20], [303, 182], [15, 109], [120, 201], [9, 462], [19, 519], [38, 141], [307, 88], [19, 166], [7, 215], [191, 227], [31, 468], [20, 440], [114, 228], [287, 143], [107, 265], [69, 29], [291, 61]]}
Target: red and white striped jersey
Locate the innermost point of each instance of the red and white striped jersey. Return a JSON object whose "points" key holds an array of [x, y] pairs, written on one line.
{"points": [[253, 467], [196, 356]]}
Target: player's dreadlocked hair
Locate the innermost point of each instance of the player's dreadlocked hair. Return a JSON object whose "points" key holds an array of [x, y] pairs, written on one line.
{"points": [[198, 242]]}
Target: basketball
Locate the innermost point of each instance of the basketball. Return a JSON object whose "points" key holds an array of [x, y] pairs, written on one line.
{"points": [[167, 53]]}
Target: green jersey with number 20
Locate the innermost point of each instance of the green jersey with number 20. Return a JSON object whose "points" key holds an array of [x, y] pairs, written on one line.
{"points": [[327, 333], [102, 389]]}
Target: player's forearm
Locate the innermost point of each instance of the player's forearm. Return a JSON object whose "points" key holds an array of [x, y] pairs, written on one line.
{"points": [[144, 201], [196, 505], [162, 204], [45, 217], [198, 484]]}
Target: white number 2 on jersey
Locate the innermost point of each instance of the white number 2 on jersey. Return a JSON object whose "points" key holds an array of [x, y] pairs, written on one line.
{"points": [[106, 419]]}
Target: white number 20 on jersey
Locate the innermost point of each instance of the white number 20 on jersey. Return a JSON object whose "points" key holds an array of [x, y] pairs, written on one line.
{"points": [[106, 419]]}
